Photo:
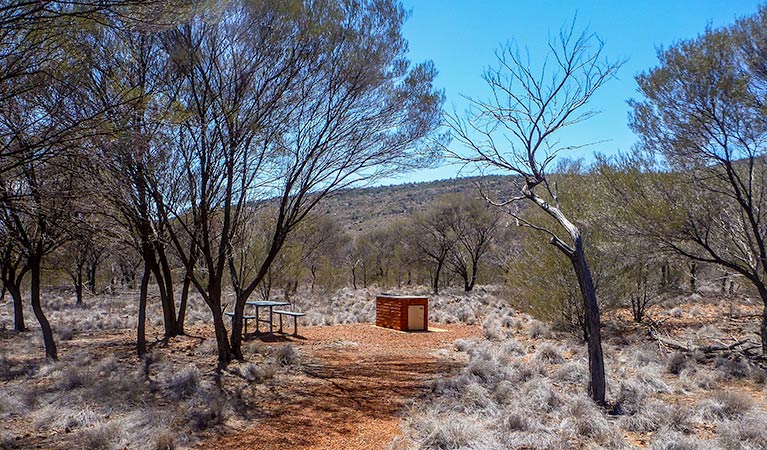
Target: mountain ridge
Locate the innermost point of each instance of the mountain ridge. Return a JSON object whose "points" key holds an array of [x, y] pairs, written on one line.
{"points": [[361, 209]]}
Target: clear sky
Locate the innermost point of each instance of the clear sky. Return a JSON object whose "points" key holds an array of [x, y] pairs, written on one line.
{"points": [[460, 36]]}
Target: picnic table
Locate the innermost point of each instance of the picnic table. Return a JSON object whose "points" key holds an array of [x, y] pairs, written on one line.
{"points": [[266, 304], [270, 305]]}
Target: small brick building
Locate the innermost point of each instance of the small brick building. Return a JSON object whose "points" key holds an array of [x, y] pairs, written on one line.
{"points": [[401, 312]]}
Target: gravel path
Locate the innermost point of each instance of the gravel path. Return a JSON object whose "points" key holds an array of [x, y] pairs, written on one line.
{"points": [[353, 386]]}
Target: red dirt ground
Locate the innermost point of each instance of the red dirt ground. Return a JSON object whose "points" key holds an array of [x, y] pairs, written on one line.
{"points": [[350, 391]]}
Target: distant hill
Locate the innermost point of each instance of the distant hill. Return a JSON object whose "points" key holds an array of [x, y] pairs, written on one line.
{"points": [[362, 209]]}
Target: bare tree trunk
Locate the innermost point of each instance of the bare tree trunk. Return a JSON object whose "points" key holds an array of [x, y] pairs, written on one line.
{"points": [[693, 276], [225, 352], [166, 294], [142, 301], [18, 306], [168, 309], [77, 280], [92, 277], [763, 328], [435, 283], [34, 290], [577, 255], [182, 306], [593, 323]]}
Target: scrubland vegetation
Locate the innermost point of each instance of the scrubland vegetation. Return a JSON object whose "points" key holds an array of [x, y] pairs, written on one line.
{"points": [[164, 163]]}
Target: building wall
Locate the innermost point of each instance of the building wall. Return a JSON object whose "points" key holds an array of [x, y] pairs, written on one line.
{"points": [[391, 312]]}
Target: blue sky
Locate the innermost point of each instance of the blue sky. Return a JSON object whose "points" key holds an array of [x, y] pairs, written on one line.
{"points": [[460, 36]]}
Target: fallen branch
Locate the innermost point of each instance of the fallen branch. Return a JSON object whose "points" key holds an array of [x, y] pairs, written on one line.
{"points": [[687, 348]]}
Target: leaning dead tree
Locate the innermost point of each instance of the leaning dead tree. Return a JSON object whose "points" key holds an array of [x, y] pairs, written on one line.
{"points": [[516, 131]]}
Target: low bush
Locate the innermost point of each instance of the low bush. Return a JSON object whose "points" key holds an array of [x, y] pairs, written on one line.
{"points": [[549, 354], [286, 355], [673, 440], [258, 372], [746, 433], [676, 363], [184, 383]]}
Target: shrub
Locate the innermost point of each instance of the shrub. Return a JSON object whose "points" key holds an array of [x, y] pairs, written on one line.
{"points": [[71, 378], [491, 328], [206, 416], [8, 441], [648, 418], [475, 399], [733, 403], [258, 372], [65, 333], [525, 371], [513, 348], [571, 372], [548, 354], [651, 381], [701, 378], [631, 397], [98, 437], [185, 383], [750, 432], [676, 312], [286, 355], [735, 367], [448, 433], [538, 330], [207, 347], [673, 440], [586, 419], [513, 421], [462, 345], [676, 362], [164, 440], [679, 418]]}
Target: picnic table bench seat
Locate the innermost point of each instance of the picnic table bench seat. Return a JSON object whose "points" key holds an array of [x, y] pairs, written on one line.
{"points": [[245, 319], [294, 314]]}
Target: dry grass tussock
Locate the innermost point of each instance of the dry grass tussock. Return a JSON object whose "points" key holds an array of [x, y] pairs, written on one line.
{"points": [[99, 313], [526, 389], [96, 400], [450, 306]]}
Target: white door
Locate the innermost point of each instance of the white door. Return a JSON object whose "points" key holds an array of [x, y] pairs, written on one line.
{"points": [[415, 319]]}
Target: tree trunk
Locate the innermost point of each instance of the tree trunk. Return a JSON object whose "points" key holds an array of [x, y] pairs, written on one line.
{"points": [[222, 339], [182, 306], [169, 304], [142, 300], [225, 350], [597, 384], [435, 283], [693, 276], [34, 289], [78, 282], [763, 330], [168, 308], [92, 278], [354, 278], [18, 306]]}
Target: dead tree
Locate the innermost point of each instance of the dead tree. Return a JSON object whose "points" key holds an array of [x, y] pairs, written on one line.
{"points": [[526, 111]]}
